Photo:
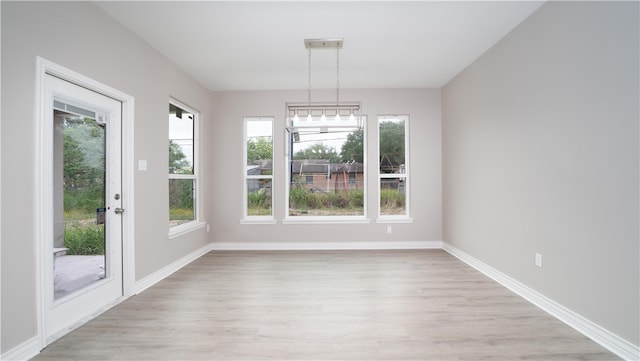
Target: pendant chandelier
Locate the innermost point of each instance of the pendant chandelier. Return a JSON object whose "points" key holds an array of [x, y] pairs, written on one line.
{"points": [[326, 114]]}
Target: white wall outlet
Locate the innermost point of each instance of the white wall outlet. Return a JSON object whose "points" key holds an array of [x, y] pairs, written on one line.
{"points": [[538, 260], [389, 229], [142, 165]]}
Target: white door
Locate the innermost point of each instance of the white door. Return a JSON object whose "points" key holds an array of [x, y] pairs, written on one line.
{"points": [[83, 243]]}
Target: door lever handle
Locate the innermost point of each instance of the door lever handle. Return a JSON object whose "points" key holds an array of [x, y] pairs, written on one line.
{"points": [[119, 210]]}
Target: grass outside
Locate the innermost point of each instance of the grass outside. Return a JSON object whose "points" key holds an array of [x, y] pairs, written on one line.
{"points": [[392, 202], [324, 212], [258, 211], [180, 215], [82, 236]]}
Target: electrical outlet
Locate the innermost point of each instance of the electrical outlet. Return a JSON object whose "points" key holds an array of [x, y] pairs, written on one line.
{"points": [[389, 229], [538, 260]]}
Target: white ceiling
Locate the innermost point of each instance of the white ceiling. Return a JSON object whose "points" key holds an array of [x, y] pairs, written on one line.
{"points": [[238, 45]]}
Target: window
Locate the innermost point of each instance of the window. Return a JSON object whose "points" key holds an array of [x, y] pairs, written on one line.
{"points": [[392, 171], [183, 165], [326, 173], [258, 156]]}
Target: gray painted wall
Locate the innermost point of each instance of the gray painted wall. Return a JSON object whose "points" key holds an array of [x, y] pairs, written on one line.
{"points": [[81, 37], [540, 154], [423, 106]]}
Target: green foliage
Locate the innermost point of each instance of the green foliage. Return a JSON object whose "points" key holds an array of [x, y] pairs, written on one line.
{"points": [[318, 151], [181, 194], [260, 149], [258, 204], [353, 148], [83, 239], [83, 155], [90, 138], [75, 170], [391, 198], [181, 214], [83, 167], [356, 198], [258, 199], [392, 144], [83, 175], [303, 199], [258, 211], [84, 201], [178, 163]]}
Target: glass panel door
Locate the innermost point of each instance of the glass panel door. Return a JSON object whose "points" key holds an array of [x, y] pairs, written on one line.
{"points": [[82, 200]]}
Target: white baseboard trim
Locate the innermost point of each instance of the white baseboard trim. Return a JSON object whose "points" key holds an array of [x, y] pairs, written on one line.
{"points": [[32, 347], [171, 268], [23, 351], [326, 246], [77, 324], [597, 333], [602, 336]]}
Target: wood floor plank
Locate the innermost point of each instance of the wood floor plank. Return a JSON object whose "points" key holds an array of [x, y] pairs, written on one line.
{"points": [[326, 305]]}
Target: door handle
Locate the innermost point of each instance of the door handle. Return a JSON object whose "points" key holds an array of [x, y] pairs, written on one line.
{"points": [[119, 210]]}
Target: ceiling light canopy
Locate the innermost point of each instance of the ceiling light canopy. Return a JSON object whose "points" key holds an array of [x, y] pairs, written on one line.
{"points": [[324, 114], [323, 43]]}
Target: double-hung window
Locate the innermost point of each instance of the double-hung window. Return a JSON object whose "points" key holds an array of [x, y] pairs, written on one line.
{"points": [[393, 145], [183, 167], [258, 172]]}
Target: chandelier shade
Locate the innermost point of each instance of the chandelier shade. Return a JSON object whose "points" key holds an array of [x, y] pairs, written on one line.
{"points": [[341, 115]]}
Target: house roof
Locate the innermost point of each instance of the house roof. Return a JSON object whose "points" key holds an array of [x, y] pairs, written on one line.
{"points": [[310, 166]]}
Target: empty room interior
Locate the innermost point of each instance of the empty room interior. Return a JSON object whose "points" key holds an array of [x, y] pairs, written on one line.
{"points": [[233, 180]]}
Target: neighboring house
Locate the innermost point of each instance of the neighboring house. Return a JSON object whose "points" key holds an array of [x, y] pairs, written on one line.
{"points": [[313, 174], [322, 176], [259, 167]]}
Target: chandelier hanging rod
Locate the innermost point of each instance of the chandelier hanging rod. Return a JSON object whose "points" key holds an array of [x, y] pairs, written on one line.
{"points": [[328, 43], [327, 113]]}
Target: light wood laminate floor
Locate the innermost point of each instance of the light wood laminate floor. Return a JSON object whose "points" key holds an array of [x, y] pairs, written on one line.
{"points": [[326, 305]]}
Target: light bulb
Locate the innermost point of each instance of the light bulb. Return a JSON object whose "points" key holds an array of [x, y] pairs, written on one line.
{"points": [[295, 117], [309, 117], [351, 117], [337, 117], [324, 118]]}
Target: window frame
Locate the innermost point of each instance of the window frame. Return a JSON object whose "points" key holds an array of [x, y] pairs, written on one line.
{"points": [[196, 223], [288, 219], [246, 218], [406, 217]]}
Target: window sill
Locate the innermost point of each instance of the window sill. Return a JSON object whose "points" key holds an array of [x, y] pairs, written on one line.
{"points": [[258, 220], [394, 219], [325, 220], [185, 228]]}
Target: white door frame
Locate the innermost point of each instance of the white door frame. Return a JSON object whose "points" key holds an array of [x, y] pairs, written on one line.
{"points": [[42, 137]]}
